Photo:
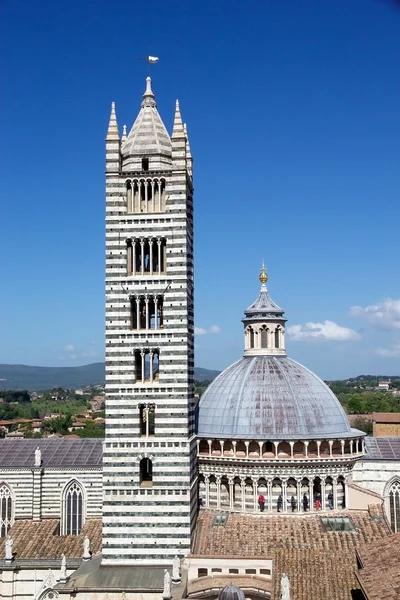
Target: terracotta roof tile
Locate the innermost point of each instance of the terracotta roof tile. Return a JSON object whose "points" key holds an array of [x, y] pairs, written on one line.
{"points": [[40, 539]]}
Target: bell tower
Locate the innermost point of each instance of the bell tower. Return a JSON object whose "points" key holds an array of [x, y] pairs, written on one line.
{"points": [[150, 487]]}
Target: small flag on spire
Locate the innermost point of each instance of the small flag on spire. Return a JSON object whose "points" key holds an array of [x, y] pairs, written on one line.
{"points": [[152, 60]]}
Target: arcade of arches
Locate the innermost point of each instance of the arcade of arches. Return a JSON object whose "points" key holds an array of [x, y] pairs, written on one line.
{"points": [[293, 476]]}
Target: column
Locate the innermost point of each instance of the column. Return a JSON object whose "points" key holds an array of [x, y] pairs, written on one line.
{"points": [[146, 196], [209, 446], [334, 491], [142, 357], [260, 445], [319, 448], [146, 300], [142, 256], [255, 493], [363, 445], [137, 312], [159, 255], [243, 487], [306, 449], [133, 256], [207, 482], [323, 502], [146, 416], [291, 449], [284, 495], [342, 446], [153, 208], [234, 448], [155, 312], [198, 447], [230, 483], [299, 498], [247, 449], [218, 478], [330, 447], [311, 493], [151, 256], [276, 444], [351, 446], [151, 366], [346, 493], [221, 443], [269, 495]]}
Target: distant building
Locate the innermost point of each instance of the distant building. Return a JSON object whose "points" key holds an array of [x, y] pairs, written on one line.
{"points": [[384, 385], [386, 424]]}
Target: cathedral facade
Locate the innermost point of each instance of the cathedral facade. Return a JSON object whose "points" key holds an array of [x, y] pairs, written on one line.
{"points": [[178, 500]]}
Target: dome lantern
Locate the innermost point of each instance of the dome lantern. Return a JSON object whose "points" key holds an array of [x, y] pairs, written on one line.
{"points": [[264, 324]]}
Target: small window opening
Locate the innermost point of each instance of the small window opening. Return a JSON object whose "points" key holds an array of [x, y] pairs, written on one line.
{"points": [[145, 164], [146, 473], [234, 571], [202, 572]]}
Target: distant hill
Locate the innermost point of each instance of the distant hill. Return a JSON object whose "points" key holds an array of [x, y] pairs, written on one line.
{"points": [[24, 377]]}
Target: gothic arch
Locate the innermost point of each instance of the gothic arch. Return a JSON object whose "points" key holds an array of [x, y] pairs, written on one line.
{"points": [[73, 507], [49, 595], [392, 503], [7, 505]]}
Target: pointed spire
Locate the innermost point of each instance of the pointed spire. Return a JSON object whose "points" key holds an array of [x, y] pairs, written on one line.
{"points": [[148, 96], [112, 132], [123, 134], [178, 130]]}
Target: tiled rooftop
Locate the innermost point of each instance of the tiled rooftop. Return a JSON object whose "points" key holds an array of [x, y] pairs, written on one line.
{"points": [[56, 452], [319, 564], [40, 540], [380, 576], [382, 448]]}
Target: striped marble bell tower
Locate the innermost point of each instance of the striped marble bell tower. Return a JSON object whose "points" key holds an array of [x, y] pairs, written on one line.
{"points": [[150, 498]]}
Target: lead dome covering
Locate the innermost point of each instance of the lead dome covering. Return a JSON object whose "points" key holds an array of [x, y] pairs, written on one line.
{"points": [[271, 397]]}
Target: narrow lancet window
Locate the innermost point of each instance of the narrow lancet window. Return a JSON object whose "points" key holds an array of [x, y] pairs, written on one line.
{"points": [[73, 509], [6, 510]]}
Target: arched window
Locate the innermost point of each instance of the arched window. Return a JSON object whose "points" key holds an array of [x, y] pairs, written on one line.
{"points": [[251, 338], [277, 332], [394, 506], [146, 472], [6, 509], [73, 509], [264, 338], [147, 420]]}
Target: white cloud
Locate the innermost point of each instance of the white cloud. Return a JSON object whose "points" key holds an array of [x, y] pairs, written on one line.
{"points": [[69, 348], [202, 331], [384, 315], [392, 352], [326, 331]]}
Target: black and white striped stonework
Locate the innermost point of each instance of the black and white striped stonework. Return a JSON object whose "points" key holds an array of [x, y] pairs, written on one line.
{"points": [[149, 472]]}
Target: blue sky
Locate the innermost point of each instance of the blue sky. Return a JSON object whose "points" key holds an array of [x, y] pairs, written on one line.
{"points": [[293, 117]]}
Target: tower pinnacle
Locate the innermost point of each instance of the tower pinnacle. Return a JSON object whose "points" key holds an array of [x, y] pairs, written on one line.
{"points": [[148, 96], [178, 130], [112, 132]]}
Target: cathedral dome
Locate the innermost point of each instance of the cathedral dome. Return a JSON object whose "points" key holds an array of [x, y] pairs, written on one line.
{"points": [[270, 396], [231, 592]]}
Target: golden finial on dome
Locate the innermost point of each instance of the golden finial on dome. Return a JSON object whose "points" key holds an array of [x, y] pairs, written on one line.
{"points": [[263, 277]]}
